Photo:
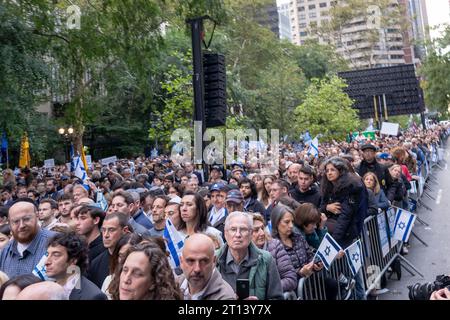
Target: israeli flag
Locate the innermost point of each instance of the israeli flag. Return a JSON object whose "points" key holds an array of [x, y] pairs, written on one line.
{"points": [[175, 242], [314, 147], [404, 222], [79, 170], [354, 257], [328, 250], [39, 269]]}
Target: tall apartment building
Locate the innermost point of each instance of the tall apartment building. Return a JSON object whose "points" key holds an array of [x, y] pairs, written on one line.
{"points": [[393, 46], [284, 22]]}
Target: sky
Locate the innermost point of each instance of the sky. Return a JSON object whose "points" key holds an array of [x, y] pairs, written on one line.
{"points": [[438, 13]]}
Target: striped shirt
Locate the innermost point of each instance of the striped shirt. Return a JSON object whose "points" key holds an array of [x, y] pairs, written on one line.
{"points": [[14, 264]]}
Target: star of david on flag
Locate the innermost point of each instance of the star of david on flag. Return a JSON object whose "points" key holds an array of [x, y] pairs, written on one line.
{"points": [[328, 250], [354, 256], [404, 221]]}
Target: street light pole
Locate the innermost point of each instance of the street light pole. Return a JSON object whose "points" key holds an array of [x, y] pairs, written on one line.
{"points": [[66, 134]]}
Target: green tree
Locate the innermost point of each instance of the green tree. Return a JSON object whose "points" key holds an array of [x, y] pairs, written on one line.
{"points": [[435, 72], [327, 110]]}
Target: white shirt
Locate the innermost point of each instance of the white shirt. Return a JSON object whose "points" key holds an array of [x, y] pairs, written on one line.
{"points": [[22, 247]]}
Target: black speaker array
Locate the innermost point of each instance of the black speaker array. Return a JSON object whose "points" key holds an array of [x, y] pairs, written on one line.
{"points": [[215, 89], [398, 83]]}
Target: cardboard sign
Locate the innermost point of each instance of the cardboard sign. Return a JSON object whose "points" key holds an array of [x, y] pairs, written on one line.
{"points": [[389, 128]]}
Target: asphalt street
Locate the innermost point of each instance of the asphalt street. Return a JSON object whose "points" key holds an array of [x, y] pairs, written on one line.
{"points": [[434, 259]]}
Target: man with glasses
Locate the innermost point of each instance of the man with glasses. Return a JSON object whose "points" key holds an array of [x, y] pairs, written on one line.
{"points": [[239, 258], [29, 242]]}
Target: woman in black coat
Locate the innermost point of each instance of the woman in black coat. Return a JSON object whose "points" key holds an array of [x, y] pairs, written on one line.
{"points": [[344, 201]]}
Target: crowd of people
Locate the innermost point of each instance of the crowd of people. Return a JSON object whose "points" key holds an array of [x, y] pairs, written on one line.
{"points": [[106, 238]]}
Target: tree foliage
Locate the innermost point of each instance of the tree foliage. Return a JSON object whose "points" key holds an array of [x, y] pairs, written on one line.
{"points": [[327, 110], [435, 71]]}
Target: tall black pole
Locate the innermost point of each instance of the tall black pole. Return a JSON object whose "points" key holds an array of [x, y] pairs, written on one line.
{"points": [[197, 77]]}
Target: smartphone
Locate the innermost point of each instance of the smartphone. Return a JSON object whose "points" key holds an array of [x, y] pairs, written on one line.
{"points": [[243, 288]]}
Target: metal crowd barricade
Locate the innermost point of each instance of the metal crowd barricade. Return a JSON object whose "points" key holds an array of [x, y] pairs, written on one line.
{"points": [[379, 249], [379, 252]]}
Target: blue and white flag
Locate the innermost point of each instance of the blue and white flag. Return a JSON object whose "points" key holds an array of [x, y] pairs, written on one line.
{"points": [[354, 257], [404, 221], [314, 147], [328, 250], [175, 242], [79, 170], [39, 269]]}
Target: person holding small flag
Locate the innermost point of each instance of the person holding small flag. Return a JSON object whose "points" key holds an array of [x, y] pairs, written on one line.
{"points": [[300, 253]]}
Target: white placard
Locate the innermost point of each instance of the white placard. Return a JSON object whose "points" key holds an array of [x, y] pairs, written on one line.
{"points": [[389, 128], [68, 166], [109, 160], [49, 163]]}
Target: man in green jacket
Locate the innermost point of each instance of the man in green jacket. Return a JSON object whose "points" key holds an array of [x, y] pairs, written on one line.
{"points": [[239, 258]]}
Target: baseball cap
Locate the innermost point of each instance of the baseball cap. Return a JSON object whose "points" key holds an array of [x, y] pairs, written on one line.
{"points": [[384, 156], [235, 196], [217, 187], [176, 200], [369, 146]]}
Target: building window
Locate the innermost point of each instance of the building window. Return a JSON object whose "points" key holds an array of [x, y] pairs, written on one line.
{"points": [[312, 14], [303, 34], [301, 9], [396, 56], [311, 6], [323, 4], [302, 16], [302, 25]]}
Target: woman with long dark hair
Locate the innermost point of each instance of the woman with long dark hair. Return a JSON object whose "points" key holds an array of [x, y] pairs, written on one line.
{"points": [[344, 201]]}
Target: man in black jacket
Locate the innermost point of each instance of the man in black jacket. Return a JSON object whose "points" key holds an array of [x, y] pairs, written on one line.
{"points": [[369, 164], [306, 190], [248, 189]]}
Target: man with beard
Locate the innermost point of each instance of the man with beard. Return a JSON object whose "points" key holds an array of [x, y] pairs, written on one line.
{"points": [[24, 252], [65, 204], [200, 279]]}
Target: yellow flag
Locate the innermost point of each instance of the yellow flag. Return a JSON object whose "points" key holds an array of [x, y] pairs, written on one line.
{"points": [[83, 159], [25, 158]]}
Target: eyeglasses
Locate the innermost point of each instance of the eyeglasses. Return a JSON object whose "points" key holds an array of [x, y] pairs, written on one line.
{"points": [[25, 220], [242, 231]]}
